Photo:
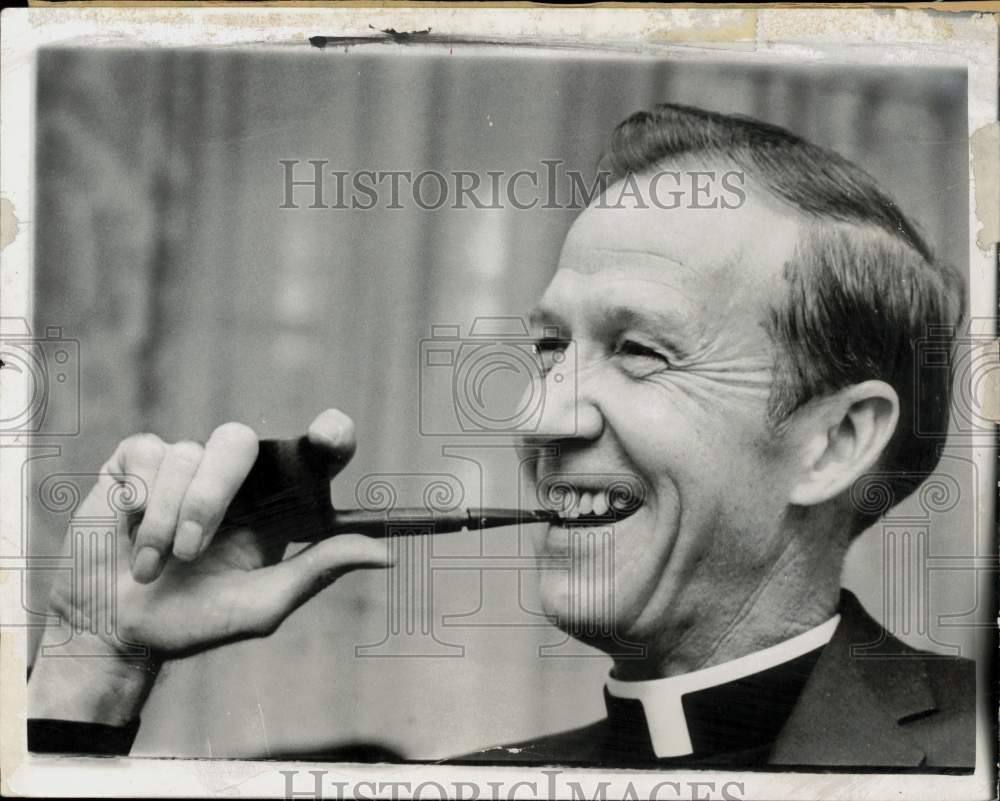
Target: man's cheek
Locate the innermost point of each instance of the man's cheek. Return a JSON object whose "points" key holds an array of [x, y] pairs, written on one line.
{"points": [[553, 593], [682, 411], [539, 534]]}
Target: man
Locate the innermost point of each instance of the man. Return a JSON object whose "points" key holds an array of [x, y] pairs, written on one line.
{"points": [[748, 364]]}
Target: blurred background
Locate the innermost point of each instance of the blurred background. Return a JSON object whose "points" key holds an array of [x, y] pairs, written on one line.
{"points": [[163, 249]]}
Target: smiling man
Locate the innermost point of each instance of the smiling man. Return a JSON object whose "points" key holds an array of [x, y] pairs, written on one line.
{"points": [[746, 365]]}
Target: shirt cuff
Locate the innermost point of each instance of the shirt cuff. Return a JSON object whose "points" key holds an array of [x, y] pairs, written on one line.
{"points": [[49, 736]]}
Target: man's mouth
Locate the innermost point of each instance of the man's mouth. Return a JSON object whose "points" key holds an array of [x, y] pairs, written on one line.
{"points": [[588, 502]]}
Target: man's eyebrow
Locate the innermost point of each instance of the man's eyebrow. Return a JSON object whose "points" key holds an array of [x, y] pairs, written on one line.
{"points": [[543, 317]]}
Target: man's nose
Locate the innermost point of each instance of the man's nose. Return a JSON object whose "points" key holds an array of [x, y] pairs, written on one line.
{"points": [[569, 411]]}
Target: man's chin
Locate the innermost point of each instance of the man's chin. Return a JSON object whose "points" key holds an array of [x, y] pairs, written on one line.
{"points": [[599, 633], [586, 613]]}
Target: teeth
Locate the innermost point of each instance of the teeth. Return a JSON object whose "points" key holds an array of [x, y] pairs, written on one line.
{"points": [[601, 503], [571, 502]]}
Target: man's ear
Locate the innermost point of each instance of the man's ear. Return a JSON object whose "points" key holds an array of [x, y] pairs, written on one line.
{"points": [[844, 435]]}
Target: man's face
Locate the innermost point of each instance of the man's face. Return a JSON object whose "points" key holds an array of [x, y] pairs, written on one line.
{"points": [[667, 311]]}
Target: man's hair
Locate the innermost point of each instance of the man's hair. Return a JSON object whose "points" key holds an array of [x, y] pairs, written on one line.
{"points": [[863, 285]]}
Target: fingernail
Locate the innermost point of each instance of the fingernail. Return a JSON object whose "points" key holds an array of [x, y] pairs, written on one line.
{"points": [[187, 542], [146, 564]]}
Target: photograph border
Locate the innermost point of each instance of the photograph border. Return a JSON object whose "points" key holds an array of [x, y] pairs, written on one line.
{"points": [[766, 35]]}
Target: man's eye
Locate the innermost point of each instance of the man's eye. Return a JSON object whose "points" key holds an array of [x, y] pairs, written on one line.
{"points": [[644, 354], [550, 352]]}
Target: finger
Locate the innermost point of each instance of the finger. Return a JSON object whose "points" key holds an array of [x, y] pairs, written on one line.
{"points": [[154, 539], [333, 431], [133, 467], [229, 454], [278, 590]]}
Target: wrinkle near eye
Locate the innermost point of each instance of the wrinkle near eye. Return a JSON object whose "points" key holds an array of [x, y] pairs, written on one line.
{"points": [[722, 353], [719, 380], [716, 331]]}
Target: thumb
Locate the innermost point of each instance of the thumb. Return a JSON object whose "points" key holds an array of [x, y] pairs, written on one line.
{"points": [[284, 587], [332, 432]]}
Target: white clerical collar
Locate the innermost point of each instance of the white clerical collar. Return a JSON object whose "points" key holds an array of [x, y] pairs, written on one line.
{"points": [[661, 698]]}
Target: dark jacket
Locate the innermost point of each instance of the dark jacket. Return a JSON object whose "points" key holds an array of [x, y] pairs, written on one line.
{"points": [[871, 702]]}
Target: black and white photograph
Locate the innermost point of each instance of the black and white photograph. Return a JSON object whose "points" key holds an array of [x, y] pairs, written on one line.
{"points": [[499, 403]]}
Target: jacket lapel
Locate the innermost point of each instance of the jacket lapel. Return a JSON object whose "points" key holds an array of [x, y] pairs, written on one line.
{"points": [[851, 709]]}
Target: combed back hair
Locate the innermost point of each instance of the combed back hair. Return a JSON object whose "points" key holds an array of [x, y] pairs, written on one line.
{"points": [[862, 288]]}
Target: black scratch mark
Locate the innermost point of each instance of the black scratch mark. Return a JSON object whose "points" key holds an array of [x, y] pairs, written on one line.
{"points": [[391, 35]]}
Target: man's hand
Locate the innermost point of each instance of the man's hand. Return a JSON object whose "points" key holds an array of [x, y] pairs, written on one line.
{"points": [[179, 588]]}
